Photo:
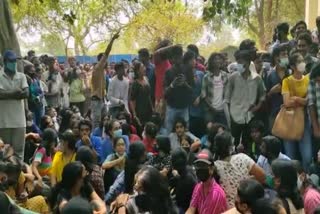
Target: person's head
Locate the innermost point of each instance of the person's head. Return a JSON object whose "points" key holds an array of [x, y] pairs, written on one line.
{"points": [[77, 205], [163, 43], [304, 43], [258, 62], [179, 126], [139, 70], [223, 145], [137, 151], [250, 46], [31, 54], [51, 112], [10, 61], [86, 157], [119, 146], [52, 64], [318, 23], [85, 128], [243, 59], [270, 147], [179, 160], [248, 192], [73, 176], [144, 55], [46, 122], [193, 48], [267, 206], [300, 27], [30, 70], [153, 191], [163, 144], [285, 181], [315, 73], [120, 69], [49, 139], [297, 63], [280, 56], [256, 130], [150, 130], [189, 59], [176, 54], [185, 143], [215, 61], [204, 165], [66, 118], [113, 129], [72, 61], [282, 31], [75, 128], [212, 131], [68, 141]]}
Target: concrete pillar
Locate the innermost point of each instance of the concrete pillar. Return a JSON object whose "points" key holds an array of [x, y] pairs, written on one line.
{"points": [[312, 11]]}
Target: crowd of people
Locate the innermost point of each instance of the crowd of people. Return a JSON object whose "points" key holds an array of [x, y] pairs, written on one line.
{"points": [[169, 132]]}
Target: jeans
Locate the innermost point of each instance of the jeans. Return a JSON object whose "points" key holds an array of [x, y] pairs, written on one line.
{"points": [[96, 109], [215, 117], [301, 148], [172, 114], [37, 115]]}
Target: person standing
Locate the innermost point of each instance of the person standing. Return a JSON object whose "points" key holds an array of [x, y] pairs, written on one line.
{"points": [[13, 90], [244, 95], [144, 57], [213, 88], [140, 98], [178, 85], [98, 84], [118, 91], [315, 34]]}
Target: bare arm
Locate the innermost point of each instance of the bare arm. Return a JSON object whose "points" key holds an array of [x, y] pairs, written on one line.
{"points": [[191, 210], [258, 173], [35, 171], [110, 164], [106, 53], [102, 209]]}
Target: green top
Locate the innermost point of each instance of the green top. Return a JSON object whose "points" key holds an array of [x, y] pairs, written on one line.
{"points": [[76, 91]]}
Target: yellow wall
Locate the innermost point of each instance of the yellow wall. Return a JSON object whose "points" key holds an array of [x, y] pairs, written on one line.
{"points": [[312, 11]]}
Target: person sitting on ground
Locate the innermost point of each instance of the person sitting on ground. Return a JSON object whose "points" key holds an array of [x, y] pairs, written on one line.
{"points": [[233, 168], [42, 160], [95, 173], [63, 157], [183, 181], [114, 163], [270, 150], [74, 183], [257, 132], [162, 158], [208, 196], [179, 130], [93, 142], [248, 192], [149, 140], [152, 196], [186, 143], [307, 188], [285, 183], [126, 130]]}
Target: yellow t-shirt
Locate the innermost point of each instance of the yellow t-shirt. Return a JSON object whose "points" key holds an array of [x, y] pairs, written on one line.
{"points": [[59, 163], [297, 88]]}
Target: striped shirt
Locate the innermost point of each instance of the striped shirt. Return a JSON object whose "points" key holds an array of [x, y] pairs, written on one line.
{"points": [[214, 202], [311, 200], [45, 161]]}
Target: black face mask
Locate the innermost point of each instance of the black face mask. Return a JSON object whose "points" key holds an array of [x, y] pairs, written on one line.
{"points": [[203, 174]]}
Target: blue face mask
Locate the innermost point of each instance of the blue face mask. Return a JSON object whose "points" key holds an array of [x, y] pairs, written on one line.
{"points": [[240, 68], [117, 133], [11, 67]]}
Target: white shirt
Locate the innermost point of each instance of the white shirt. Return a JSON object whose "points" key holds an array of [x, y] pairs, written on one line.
{"points": [[12, 114], [118, 91], [217, 100], [264, 164]]}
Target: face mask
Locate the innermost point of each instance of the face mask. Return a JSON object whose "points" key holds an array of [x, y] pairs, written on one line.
{"points": [[301, 67], [117, 133], [284, 62], [203, 174], [240, 68], [11, 67]]}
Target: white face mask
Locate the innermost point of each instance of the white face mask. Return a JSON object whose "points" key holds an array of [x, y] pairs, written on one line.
{"points": [[301, 67], [299, 183], [240, 68]]}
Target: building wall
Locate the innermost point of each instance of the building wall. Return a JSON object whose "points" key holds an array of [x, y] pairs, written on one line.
{"points": [[312, 11]]}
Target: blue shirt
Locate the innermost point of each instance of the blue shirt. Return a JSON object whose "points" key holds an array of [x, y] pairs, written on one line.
{"points": [[97, 132], [196, 91], [116, 189], [107, 146], [95, 143], [204, 141]]}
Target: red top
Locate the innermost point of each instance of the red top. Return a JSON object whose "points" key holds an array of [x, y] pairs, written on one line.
{"points": [[149, 144], [200, 67], [134, 138], [161, 66]]}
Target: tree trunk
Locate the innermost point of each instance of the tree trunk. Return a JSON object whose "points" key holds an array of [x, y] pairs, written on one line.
{"points": [[76, 47], [8, 37]]}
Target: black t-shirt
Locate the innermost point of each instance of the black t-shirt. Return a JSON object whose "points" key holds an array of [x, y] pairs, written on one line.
{"points": [[180, 96]]}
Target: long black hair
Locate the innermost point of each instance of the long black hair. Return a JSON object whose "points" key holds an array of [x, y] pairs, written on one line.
{"points": [[70, 174], [222, 145], [66, 115], [163, 143], [156, 197], [133, 161], [86, 157], [49, 137], [287, 173]]}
